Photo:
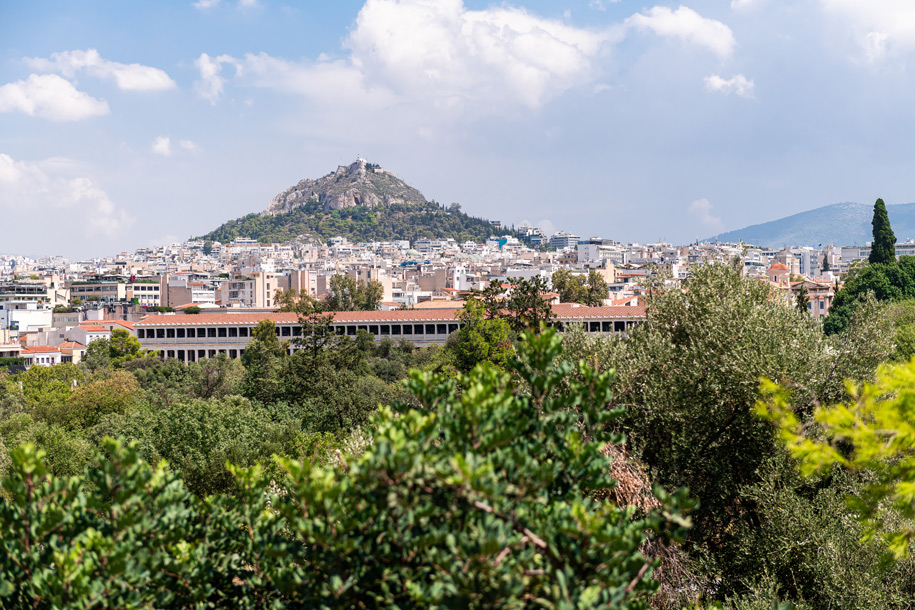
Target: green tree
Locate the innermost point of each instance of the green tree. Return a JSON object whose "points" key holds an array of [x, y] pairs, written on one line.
{"points": [[348, 294], [571, 287], [597, 289], [123, 346], [874, 431], [887, 282], [479, 340], [215, 377], [525, 307], [262, 360], [113, 392], [479, 497], [801, 300], [689, 378], [49, 387], [883, 248], [198, 437], [97, 356]]}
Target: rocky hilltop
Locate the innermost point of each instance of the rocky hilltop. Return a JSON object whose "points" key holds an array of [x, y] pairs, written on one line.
{"points": [[358, 184], [361, 202]]}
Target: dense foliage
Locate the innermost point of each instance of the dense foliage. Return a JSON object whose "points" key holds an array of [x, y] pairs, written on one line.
{"points": [[590, 289], [689, 379], [360, 224], [479, 497], [883, 276]]}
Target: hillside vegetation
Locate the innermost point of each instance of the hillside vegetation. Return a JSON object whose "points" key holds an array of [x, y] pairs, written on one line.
{"points": [[359, 223]]}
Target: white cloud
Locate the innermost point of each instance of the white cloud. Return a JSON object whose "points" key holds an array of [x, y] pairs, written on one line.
{"points": [[439, 51], [247, 3], [129, 77], [49, 96], [45, 195], [701, 210], [874, 45], [162, 146], [879, 27], [437, 56], [211, 81], [686, 25], [744, 4], [738, 84], [202, 5]]}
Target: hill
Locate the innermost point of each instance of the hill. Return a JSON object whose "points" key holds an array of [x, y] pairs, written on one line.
{"points": [[840, 224], [361, 202]]}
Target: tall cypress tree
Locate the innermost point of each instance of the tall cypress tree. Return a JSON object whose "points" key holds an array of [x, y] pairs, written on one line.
{"points": [[883, 249]]}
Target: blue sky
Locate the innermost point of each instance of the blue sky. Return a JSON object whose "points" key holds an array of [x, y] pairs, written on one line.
{"points": [[128, 124]]}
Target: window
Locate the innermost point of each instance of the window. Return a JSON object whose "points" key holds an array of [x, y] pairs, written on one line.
{"points": [[350, 330], [408, 329], [223, 332], [452, 328], [606, 327], [395, 329], [243, 331], [287, 331], [201, 332], [180, 334], [233, 332], [385, 329], [430, 329], [619, 327], [441, 329], [160, 333], [594, 327], [373, 329], [211, 332], [141, 334], [191, 333], [170, 333]]}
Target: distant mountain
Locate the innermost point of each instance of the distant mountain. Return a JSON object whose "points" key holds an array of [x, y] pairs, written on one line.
{"points": [[361, 202], [840, 224]]}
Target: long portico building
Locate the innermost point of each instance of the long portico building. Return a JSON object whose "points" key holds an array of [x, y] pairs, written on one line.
{"points": [[191, 337]]}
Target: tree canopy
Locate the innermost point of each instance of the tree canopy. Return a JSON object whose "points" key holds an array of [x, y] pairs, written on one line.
{"points": [[474, 498]]}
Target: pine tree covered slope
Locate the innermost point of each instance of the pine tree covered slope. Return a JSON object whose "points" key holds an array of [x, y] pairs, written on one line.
{"points": [[361, 202]]}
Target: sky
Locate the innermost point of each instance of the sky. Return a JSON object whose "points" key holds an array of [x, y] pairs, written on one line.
{"points": [[135, 124]]}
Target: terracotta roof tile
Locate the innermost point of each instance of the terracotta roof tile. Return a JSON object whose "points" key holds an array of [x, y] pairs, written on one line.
{"points": [[564, 311], [39, 349]]}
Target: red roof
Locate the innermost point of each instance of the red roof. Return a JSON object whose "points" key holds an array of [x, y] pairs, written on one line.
{"points": [[564, 311], [39, 349], [123, 323], [92, 328], [778, 267]]}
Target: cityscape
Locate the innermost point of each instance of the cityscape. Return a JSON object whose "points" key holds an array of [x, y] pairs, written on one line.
{"points": [[439, 304]]}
